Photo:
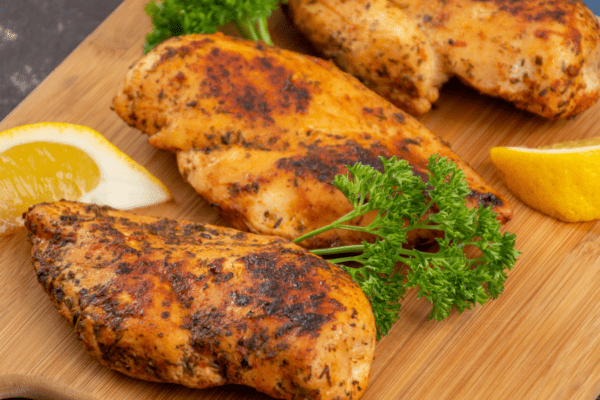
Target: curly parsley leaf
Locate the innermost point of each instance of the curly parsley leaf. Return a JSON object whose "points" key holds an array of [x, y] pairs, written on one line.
{"points": [[404, 202], [180, 17]]}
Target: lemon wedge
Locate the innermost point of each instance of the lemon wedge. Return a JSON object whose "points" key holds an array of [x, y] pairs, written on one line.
{"points": [[46, 162], [562, 180]]}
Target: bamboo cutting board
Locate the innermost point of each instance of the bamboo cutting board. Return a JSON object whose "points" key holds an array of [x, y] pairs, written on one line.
{"points": [[540, 340]]}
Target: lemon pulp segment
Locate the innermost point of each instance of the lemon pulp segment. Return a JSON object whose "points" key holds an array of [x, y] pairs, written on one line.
{"points": [[49, 161], [562, 182], [39, 171]]}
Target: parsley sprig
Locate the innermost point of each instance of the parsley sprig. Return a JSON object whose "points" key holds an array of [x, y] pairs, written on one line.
{"points": [[448, 278], [181, 17]]}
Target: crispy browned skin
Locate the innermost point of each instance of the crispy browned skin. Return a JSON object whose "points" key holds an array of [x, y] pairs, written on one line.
{"points": [[261, 132], [544, 56], [200, 305]]}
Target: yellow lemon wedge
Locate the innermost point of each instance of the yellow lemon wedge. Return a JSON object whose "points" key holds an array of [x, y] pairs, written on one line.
{"points": [[46, 162], [562, 180]]}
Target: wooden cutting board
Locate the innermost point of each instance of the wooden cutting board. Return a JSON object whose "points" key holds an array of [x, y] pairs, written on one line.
{"points": [[540, 340]]}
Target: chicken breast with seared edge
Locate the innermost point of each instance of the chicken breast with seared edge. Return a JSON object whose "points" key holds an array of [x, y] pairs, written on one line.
{"points": [[260, 132], [542, 55], [199, 305]]}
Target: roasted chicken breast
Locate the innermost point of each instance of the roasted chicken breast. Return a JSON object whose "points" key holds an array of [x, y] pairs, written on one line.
{"points": [[260, 132], [544, 56], [200, 305]]}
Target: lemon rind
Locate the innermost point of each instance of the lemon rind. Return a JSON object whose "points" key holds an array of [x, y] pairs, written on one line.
{"points": [[583, 149]]}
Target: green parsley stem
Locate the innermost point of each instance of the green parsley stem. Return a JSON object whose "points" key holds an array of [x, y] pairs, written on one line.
{"points": [[264, 31], [247, 29], [336, 225], [338, 250]]}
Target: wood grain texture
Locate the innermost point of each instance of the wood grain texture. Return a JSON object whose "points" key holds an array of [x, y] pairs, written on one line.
{"points": [[540, 340]]}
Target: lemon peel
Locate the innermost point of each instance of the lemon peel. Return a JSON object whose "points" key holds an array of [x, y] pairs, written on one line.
{"points": [[49, 161], [561, 180]]}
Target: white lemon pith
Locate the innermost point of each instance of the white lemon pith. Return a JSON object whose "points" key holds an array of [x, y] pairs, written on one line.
{"points": [[562, 180], [51, 161]]}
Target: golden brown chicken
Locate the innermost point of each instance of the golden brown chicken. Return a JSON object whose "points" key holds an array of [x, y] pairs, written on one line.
{"points": [[544, 56], [260, 132], [200, 305]]}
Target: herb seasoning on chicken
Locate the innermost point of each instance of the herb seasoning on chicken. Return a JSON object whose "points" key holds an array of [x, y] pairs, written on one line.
{"points": [[202, 306], [261, 132], [544, 56]]}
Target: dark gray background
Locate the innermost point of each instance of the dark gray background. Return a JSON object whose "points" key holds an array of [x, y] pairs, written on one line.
{"points": [[36, 35]]}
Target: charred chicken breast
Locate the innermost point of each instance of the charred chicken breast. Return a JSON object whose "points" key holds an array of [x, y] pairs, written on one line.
{"points": [[260, 132], [544, 56], [200, 305]]}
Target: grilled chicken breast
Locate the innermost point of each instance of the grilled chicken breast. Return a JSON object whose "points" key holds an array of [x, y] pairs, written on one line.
{"points": [[200, 305], [260, 132], [544, 56]]}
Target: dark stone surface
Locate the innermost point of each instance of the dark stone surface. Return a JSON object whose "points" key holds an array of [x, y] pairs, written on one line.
{"points": [[36, 35]]}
